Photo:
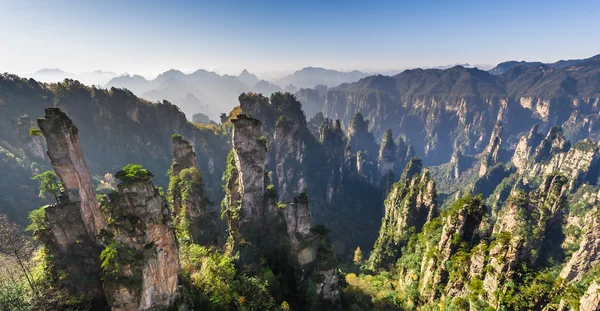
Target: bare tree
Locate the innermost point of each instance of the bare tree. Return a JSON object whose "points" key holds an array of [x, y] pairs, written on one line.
{"points": [[13, 243]]}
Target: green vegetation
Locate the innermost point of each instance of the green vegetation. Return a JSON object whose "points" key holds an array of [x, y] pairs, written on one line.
{"points": [[50, 184], [133, 173], [34, 131]]}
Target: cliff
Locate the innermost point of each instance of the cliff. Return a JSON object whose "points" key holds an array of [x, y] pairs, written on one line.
{"points": [[141, 259], [410, 204], [75, 222], [66, 156], [187, 195]]}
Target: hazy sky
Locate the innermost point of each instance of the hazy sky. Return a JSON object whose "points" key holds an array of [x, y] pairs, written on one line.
{"points": [[227, 36]]}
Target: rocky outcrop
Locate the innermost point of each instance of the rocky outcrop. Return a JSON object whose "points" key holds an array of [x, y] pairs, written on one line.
{"points": [[525, 148], [75, 254], [141, 259], [329, 288], [250, 149], [331, 137], [587, 256], [298, 223], [312, 251], [579, 163], [410, 204], [289, 156], [521, 229], [553, 143], [590, 301], [387, 153], [460, 226], [69, 163], [189, 202], [404, 153], [359, 137], [491, 155], [75, 222]]}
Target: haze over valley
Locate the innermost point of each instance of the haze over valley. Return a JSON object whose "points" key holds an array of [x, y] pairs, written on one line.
{"points": [[299, 156]]}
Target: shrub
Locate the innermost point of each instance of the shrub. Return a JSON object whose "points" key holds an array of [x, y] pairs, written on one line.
{"points": [[133, 173], [35, 132]]}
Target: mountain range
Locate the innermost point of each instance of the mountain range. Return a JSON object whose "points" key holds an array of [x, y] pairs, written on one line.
{"points": [[453, 189]]}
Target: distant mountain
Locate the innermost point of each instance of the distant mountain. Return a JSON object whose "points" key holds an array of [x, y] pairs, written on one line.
{"points": [[97, 77], [199, 92], [441, 111], [266, 88], [466, 65], [248, 78], [505, 66], [52, 75], [136, 83], [310, 77]]}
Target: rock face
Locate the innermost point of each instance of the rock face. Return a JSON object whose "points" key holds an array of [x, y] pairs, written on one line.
{"points": [[262, 229], [331, 137], [491, 154], [312, 251], [250, 160], [190, 205], [461, 224], [588, 255], [410, 204], [523, 227], [141, 260], [74, 250], [590, 301], [298, 222], [75, 221], [359, 137], [69, 163], [580, 163], [526, 147], [289, 156], [387, 153]]}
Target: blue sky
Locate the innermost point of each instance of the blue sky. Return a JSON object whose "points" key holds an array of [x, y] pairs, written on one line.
{"points": [[149, 37]]}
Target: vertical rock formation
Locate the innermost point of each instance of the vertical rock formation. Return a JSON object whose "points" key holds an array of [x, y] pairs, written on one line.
{"points": [[459, 230], [75, 254], [141, 260], [75, 221], [410, 204], [263, 230], [332, 139], [491, 154], [579, 163], [387, 153], [404, 153], [312, 251], [458, 164], [68, 161], [190, 205], [359, 137], [553, 143], [525, 148], [521, 229], [250, 150], [590, 301], [257, 106], [298, 222], [289, 156], [245, 202], [588, 255]]}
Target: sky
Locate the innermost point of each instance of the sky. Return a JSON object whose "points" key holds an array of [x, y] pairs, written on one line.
{"points": [[149, 37]]}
